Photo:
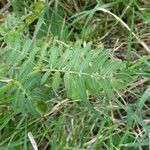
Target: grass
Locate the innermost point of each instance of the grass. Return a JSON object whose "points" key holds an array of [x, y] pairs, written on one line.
{"points": [[75, 75]]}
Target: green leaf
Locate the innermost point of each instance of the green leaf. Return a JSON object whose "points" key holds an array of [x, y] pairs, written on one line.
{"points": [[41, 107], [25, 50], [78, 59], [86, 62], [20, 98], [43, 53], [33, 82], [124, 76], [13, 39], [53, 56], [25, 69], [75, 59], [6, 87], [27, 45], [58, 24], [106, 85], [3, 69], [52, 21], [94, 86], [64, 58], [31, 107], [45, 77], [67, 84], [34, 52], [112, 66], [143, 99], [71, 87], [56, 80], [33, 73], [99, 61], [119, 84], [80, 83], [129, 116]]}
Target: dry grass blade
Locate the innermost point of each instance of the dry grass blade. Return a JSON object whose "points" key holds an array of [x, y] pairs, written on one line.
{"points": [[57, 107], [6, 7], [134, 85], [145, 46], [31, 138]]}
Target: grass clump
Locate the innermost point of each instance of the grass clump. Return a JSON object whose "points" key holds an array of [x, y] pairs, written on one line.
{"points": [[75, 75]]}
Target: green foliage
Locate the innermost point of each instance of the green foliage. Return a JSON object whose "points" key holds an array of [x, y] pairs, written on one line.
{"points": [[41, 107], [62, 79], [82, 69]]}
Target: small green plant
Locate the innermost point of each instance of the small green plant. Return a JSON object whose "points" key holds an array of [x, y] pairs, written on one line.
{"points": [[63, 84], [50, 65]]}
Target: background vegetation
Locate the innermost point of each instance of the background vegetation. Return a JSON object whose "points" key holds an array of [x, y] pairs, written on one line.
{"points": [[75, 75]]}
